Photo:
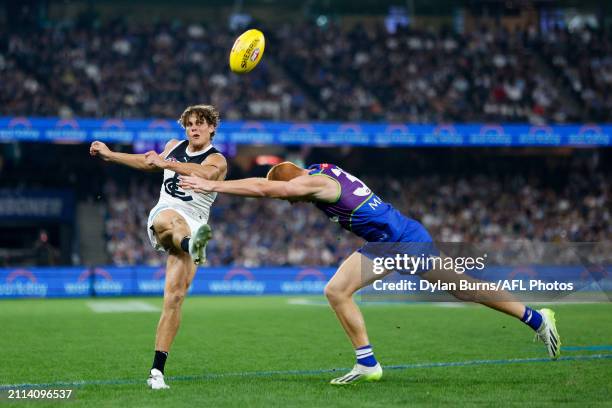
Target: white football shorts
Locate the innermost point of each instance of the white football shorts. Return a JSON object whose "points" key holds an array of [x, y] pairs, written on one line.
{"points": [[193, 219]]}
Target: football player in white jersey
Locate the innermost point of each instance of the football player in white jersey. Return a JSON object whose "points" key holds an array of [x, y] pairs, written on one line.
{"points": [[178, 223]]}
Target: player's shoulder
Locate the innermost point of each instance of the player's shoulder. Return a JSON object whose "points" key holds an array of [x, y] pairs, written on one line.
{"points": [[215, 155], [320, 168], [217, 159], [170, 144], [215, 152], [323, 189], [308, 180]]}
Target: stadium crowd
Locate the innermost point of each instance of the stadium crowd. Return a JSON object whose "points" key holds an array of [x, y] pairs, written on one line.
{"points": [[130, 70], [584, 60], [471, 209], [116, 69], [424, 76]]}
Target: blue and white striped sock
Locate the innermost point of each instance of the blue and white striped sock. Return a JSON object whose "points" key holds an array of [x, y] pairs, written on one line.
{"points": [[532, 318], [365, 356]]}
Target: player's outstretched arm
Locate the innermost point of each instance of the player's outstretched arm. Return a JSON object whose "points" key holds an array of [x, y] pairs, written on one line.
{"points": [[213, 168], [305, 188], [136, 161]]}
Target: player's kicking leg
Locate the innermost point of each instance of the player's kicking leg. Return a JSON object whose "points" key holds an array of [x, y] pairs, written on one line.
{"points": [[172, 231], [339, 292], [541, 321]]}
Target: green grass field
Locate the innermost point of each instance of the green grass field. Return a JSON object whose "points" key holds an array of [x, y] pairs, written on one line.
{"points": [[264, 351]]}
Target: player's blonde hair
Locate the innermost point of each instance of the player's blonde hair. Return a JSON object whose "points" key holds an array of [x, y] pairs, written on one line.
{"points": [[284, 171], [208, 113]]}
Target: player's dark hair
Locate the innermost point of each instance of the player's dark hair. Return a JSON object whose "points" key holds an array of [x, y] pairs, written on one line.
{"points": [[208, 113]]}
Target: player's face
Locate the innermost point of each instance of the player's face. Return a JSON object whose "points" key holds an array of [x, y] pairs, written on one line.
{"points": [[198, 132]]}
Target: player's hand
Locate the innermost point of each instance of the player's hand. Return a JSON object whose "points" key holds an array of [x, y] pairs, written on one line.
{"points": [[197, 184], [100, 149], [153, 159]]}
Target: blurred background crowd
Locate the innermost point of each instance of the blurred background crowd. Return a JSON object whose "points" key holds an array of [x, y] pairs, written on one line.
{"points": [[416, 61], [134, 70], [473, 208]]}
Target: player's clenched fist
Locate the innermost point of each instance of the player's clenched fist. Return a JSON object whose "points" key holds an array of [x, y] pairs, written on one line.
{"points": [[100, 149], [153, 159]]}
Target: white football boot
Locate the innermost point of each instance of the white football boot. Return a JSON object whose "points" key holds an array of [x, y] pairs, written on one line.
{"points": [[548, 333], [156, 380], [198, 242], [359, 373]]}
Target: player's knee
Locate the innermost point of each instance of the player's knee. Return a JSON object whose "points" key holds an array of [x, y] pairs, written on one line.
{"points": [[162, 223], [174, 296], [163, 230], [174, 300], [334, 293], [170, 229]]}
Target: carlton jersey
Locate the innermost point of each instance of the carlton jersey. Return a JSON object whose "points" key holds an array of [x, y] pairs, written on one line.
{"points": [[362, 212], [196, 205]]}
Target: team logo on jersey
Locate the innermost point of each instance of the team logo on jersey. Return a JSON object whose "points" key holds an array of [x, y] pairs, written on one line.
{"points": [[172, 188]]}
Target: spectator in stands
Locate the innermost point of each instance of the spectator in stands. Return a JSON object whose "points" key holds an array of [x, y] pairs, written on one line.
{"points": [[44, 253]]}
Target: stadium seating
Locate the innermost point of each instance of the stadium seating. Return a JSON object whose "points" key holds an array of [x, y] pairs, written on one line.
{"points": [[472, 209], [131, 70]]}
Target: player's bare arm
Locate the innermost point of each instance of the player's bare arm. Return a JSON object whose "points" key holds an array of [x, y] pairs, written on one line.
{"points": [[213, 168], [304, 188], [136, 161]]}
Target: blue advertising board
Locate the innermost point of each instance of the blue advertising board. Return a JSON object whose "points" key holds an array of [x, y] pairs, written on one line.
{"points": [[311, 133], [146, 280], [36, 205]]}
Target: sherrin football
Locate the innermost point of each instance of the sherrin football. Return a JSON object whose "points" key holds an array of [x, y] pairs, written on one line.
{"points": [[247, 51]]}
